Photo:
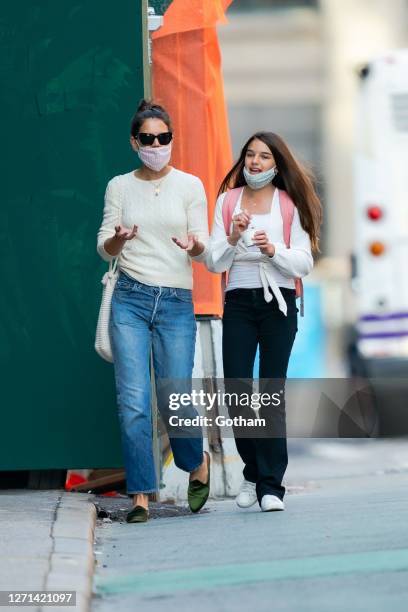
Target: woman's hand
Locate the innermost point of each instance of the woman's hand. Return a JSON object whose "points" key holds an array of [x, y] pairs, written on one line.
{"points": [[239, 225], [123, 233], [114, 245], [193, 246], [261, 240]]}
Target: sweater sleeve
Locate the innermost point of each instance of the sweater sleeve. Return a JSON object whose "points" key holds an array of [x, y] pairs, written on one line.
{"points": [[111, 216], [220, 252], [297, 261], [197, 220]]}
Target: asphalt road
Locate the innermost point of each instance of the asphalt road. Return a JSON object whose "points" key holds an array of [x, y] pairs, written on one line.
{"points": [[341, 544]]}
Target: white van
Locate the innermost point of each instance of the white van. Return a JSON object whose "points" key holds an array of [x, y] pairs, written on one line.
{"points": [[379, 350], [380, 270]]}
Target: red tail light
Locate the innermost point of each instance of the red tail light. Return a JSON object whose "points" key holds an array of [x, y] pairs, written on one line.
{"points": [[374, 213]]}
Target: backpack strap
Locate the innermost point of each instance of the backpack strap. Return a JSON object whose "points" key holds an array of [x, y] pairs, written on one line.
{"points": [[287, 209], [228, 207]]}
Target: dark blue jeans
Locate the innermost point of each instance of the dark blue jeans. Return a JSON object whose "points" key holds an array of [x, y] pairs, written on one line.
{"points": [[157, 320], [249, 321]]}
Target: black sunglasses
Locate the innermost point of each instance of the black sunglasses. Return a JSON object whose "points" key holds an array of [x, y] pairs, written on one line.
{"points": [[145, 139]]}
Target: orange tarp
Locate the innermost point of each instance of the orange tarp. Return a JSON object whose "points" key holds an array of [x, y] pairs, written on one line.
{"points": [[187, 79]]}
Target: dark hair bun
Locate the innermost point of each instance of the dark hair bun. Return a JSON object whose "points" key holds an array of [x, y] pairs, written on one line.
{"points": [[145, 105], [148, 109]]}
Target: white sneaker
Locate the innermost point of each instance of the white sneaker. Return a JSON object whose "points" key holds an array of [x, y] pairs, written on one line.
{"points": [[271, 502], [247, 494]]}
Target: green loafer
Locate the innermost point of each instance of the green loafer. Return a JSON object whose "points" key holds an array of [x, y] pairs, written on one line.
{"points": [[198, 492], [138, 514]]}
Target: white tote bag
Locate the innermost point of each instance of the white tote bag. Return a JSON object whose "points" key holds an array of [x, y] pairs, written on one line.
{"points": [[102, 340]]}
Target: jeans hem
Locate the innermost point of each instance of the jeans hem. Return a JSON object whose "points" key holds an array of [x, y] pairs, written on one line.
{"points": [[192, 469], [142, 492]]}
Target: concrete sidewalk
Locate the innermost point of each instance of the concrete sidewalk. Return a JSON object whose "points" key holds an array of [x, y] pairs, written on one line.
{"points": [[46, 541], [341, 544]]}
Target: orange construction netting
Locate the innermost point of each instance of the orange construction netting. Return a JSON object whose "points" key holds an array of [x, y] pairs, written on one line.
{"points": [[187, 79]]}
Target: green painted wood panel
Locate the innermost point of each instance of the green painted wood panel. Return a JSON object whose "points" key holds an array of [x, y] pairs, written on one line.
{"points": [[72, 74]]}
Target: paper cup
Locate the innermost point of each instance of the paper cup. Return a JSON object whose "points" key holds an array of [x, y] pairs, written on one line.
{"points": [[248, 237]]}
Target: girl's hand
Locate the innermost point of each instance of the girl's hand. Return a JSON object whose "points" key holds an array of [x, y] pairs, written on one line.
{"points": [[123, 233], [261, 240], [193, 246], [239, 225]]}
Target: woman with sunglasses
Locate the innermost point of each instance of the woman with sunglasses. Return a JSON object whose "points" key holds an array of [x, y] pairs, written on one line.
{"points": [[249, 240], [152, 310]]}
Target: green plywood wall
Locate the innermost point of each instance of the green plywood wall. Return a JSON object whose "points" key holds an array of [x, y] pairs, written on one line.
{"points": [[72, 74]]}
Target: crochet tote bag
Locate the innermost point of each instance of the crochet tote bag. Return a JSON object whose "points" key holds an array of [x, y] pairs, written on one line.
{"points": [[102, 340]]}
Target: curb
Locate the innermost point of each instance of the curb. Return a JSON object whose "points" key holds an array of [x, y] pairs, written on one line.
{"points": [[72, 560]]}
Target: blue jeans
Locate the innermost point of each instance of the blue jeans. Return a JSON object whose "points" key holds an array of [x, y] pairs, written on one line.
{"points": [[158, 320]]}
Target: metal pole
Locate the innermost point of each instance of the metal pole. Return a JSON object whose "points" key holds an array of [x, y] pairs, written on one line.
{"points": [[151, 22], [147, 78]]}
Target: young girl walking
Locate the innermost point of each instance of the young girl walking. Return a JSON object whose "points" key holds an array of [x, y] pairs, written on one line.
{"points": [[267, 203]]}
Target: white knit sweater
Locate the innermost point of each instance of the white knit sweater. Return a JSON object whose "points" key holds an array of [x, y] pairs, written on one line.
{"points": [[180, 208]]}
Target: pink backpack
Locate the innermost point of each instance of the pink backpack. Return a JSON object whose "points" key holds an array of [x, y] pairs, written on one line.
{"points": [[287, 209]]}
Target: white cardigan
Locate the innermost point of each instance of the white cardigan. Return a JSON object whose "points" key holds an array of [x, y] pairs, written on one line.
{"points": [[180, 208], [274, 272]]}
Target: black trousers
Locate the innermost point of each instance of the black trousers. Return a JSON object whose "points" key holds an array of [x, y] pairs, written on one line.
{"points": [[248, 322]]}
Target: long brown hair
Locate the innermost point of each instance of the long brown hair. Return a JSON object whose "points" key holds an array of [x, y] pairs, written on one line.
{"points": [[294, 178]]}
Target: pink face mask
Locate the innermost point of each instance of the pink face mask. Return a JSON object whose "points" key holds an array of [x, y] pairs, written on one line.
{"points": [[155, 158]]}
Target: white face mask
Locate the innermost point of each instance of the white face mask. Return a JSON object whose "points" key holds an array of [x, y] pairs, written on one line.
{"points": [[259, 179], [155, 158]]}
